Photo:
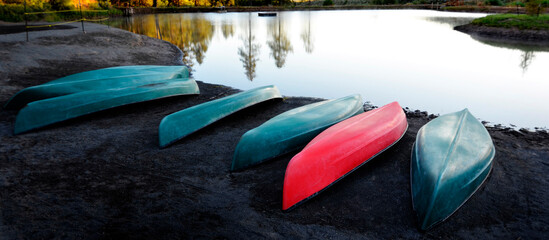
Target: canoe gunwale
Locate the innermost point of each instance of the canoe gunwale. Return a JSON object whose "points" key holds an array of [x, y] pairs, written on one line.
{"points": [[346, 174]]}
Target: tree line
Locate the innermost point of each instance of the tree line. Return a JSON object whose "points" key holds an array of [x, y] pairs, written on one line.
{"points": [[71, 4]]}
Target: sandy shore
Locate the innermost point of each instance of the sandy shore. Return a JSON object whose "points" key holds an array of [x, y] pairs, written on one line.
{"points": [[103, 176]]}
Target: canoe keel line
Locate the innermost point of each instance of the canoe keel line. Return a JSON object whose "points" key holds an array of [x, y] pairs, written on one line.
{"points": [[451, 158]]}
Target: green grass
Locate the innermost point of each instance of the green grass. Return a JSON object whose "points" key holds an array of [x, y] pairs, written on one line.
{"points": [[515, 21]]}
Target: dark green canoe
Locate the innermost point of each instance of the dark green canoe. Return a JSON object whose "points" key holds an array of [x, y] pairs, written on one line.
{"points": [[292, 130], [180, 124], [48, 111], [451, 158], [107, 78]]}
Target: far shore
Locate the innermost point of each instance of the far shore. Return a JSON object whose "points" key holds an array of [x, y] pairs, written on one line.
{"points": [[305, 7]]}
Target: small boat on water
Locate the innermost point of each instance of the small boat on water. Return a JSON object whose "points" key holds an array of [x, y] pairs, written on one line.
{"points": [[339, 150], [292, 130], [451, 158], [101, 79], [180, 124], [267, 14], [45, 112]]}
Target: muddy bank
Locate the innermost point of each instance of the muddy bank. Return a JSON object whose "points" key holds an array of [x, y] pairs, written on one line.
{"points": [[103, 176], [526, 36]]}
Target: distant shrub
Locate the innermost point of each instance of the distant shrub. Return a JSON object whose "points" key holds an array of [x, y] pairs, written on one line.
{"points": [[493, 2], [328, 3], [516, 4], [534, 7]]}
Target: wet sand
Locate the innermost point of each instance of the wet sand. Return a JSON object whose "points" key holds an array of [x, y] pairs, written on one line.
{"points": [[103, 176]]}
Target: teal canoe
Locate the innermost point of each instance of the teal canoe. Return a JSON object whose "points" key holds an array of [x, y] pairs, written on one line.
{"points": [[180, 124], [451, 158], [292, 130], [107, 78], [49, 111]]}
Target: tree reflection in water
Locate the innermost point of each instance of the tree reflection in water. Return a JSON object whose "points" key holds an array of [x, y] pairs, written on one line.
{"points": [[227, 29], [191, 33], [526, 60], [279, 43], [308, 41], [249, 51]]}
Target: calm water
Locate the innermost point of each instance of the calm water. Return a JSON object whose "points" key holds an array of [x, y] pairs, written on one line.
{"points": [[410, 56]]}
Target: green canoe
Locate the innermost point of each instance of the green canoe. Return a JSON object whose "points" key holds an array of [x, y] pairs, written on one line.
{"points": [[180, 124], [292, 130], [451, 158], [48, 111], [107, 78]]}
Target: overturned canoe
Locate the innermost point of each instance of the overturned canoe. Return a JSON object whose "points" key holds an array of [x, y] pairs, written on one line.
{"points": [[339, 150], [292, 130], [180, 124], [101, 79], [451, 158], [45, 112]]}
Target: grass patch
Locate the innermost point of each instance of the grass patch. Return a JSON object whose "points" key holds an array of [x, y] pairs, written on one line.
{"points": [[515, 21]]}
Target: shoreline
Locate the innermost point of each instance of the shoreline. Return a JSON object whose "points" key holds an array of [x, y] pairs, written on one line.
{"points": [[511, 35], [104, 176]]}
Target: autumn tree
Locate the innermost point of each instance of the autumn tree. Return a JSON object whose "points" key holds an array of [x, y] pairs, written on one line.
{"points": [[534, 7]]}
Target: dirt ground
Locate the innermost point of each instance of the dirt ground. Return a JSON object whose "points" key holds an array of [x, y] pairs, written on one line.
{"points": [[103, 176]]}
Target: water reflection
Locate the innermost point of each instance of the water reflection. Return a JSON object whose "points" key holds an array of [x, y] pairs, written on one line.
{"points": [[191, 33], [279, 43], [528, 50], [306, 36], [227, 29], [414, 57], [526, 60], [451, 21], [249, 52]]}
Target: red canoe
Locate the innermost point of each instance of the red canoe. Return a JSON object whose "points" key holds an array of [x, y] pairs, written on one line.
{"points": [[339, 150]]}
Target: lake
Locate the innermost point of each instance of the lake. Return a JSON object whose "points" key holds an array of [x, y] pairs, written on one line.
{"points": [[410, 56]]}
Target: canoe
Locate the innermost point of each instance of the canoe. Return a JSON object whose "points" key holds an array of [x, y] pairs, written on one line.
{"points": [[267, 14], [292, 130], [117, 77], [121, 71], [339, 150], [48, 111], [180, 124], [451, 158]]}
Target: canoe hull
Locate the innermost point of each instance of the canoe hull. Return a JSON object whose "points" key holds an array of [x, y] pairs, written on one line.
{"points": [[102, 79], [180, 124], [49, 111], [451, 159], [292, 130], [339, 150]]}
